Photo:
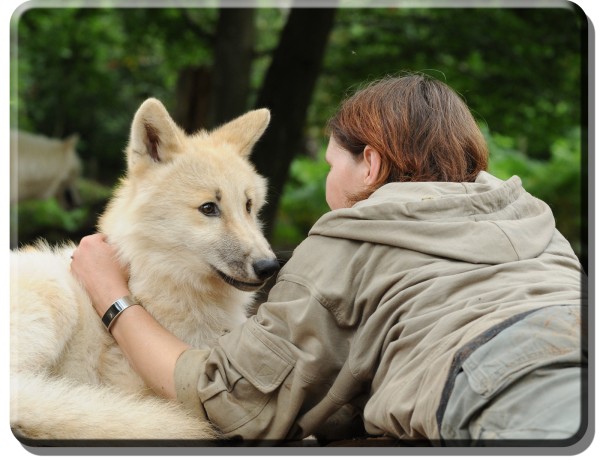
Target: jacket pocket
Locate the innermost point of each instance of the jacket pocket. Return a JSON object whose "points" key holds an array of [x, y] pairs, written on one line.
{"points": [[259, 360], [548, 337], [248, 378]]}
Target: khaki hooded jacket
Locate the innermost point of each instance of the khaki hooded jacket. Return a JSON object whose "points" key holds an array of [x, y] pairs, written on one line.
{"points": [[368, 314]]}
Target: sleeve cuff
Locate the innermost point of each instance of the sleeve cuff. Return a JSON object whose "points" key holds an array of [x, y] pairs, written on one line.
{"points": [[188, 368]]}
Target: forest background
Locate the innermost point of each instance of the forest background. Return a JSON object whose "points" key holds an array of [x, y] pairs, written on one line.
{"points": [[81, 69]]}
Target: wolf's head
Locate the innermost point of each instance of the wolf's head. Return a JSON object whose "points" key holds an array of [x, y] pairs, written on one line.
{"points": [[188, 205]]}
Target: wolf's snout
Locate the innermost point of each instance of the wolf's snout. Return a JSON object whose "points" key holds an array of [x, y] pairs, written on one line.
{"points": [[265, 268]]}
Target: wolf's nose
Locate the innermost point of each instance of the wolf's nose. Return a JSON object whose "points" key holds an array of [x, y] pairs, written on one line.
{"points": [[265, 268]]}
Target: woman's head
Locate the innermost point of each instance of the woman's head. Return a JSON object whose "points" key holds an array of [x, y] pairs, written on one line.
{"points": [[420, 129]]}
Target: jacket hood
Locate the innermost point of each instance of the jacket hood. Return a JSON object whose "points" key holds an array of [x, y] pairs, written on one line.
{"points": [[488, 221]]}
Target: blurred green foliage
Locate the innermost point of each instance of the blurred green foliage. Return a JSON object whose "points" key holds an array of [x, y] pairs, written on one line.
{"points": [[46, 218], [557, 181], [303, 200]]}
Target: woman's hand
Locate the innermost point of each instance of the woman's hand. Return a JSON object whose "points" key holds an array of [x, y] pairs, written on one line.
{"points": [[150, 349], [95, 265]]}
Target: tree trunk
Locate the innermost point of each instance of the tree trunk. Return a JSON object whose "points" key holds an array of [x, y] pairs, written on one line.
{"points": [[207, 97], [192, 96], [287, 90], [234, 50]]}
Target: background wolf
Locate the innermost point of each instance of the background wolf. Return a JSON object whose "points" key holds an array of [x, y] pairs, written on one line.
{"points": [[184, 219], [43, 167]]}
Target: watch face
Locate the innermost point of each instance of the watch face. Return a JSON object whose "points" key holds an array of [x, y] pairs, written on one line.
{"points": [[116, 309], [110, 314]]}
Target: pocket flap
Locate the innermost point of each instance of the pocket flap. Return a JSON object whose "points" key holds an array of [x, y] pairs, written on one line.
{"points": [[548, 336], [256, 358]]}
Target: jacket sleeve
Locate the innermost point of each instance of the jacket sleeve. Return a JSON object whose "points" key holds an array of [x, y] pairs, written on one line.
{"points": [[263, 375]]}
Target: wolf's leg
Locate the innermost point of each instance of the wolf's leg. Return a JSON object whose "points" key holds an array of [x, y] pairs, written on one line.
{"points": [[88, 412]]}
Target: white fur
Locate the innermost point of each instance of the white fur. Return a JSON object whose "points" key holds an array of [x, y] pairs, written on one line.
{"points": [[69, 380]]}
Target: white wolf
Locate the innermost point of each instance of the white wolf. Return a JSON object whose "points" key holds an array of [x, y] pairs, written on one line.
{"points": [[42, 168], [184, 219]]}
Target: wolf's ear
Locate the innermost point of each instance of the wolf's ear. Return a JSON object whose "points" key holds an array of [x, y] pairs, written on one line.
{"points": [[245, 131], [154, 135]]}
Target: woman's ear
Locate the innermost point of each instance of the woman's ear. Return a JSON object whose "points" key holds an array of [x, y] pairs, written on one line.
{"points": [[372, 160]]}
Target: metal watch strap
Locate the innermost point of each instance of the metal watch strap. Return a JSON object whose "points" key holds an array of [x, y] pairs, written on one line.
{"points": [[116, 309]]}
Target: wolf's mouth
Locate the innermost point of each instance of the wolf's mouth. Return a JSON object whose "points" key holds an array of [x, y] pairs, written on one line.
{"points": [[241, 285]]}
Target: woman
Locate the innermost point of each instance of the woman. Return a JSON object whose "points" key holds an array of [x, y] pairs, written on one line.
{"points": [[433, 302]]}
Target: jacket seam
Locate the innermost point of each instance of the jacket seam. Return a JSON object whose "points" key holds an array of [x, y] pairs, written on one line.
{"points": [[507, 238], [314, 293]]}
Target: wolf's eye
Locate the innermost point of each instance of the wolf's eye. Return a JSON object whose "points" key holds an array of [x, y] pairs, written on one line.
{"points": [[210, 209], [249, 205]]}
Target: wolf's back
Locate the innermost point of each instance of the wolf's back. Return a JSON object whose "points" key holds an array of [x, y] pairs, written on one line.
{"points": [[46, 314], [55, 408]]}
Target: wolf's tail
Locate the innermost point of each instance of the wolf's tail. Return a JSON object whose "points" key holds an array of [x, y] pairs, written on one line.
{"points": [[47, 408]]}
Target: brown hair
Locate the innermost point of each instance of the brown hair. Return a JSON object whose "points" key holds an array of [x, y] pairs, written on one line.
{"points": [[421, 128]]}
